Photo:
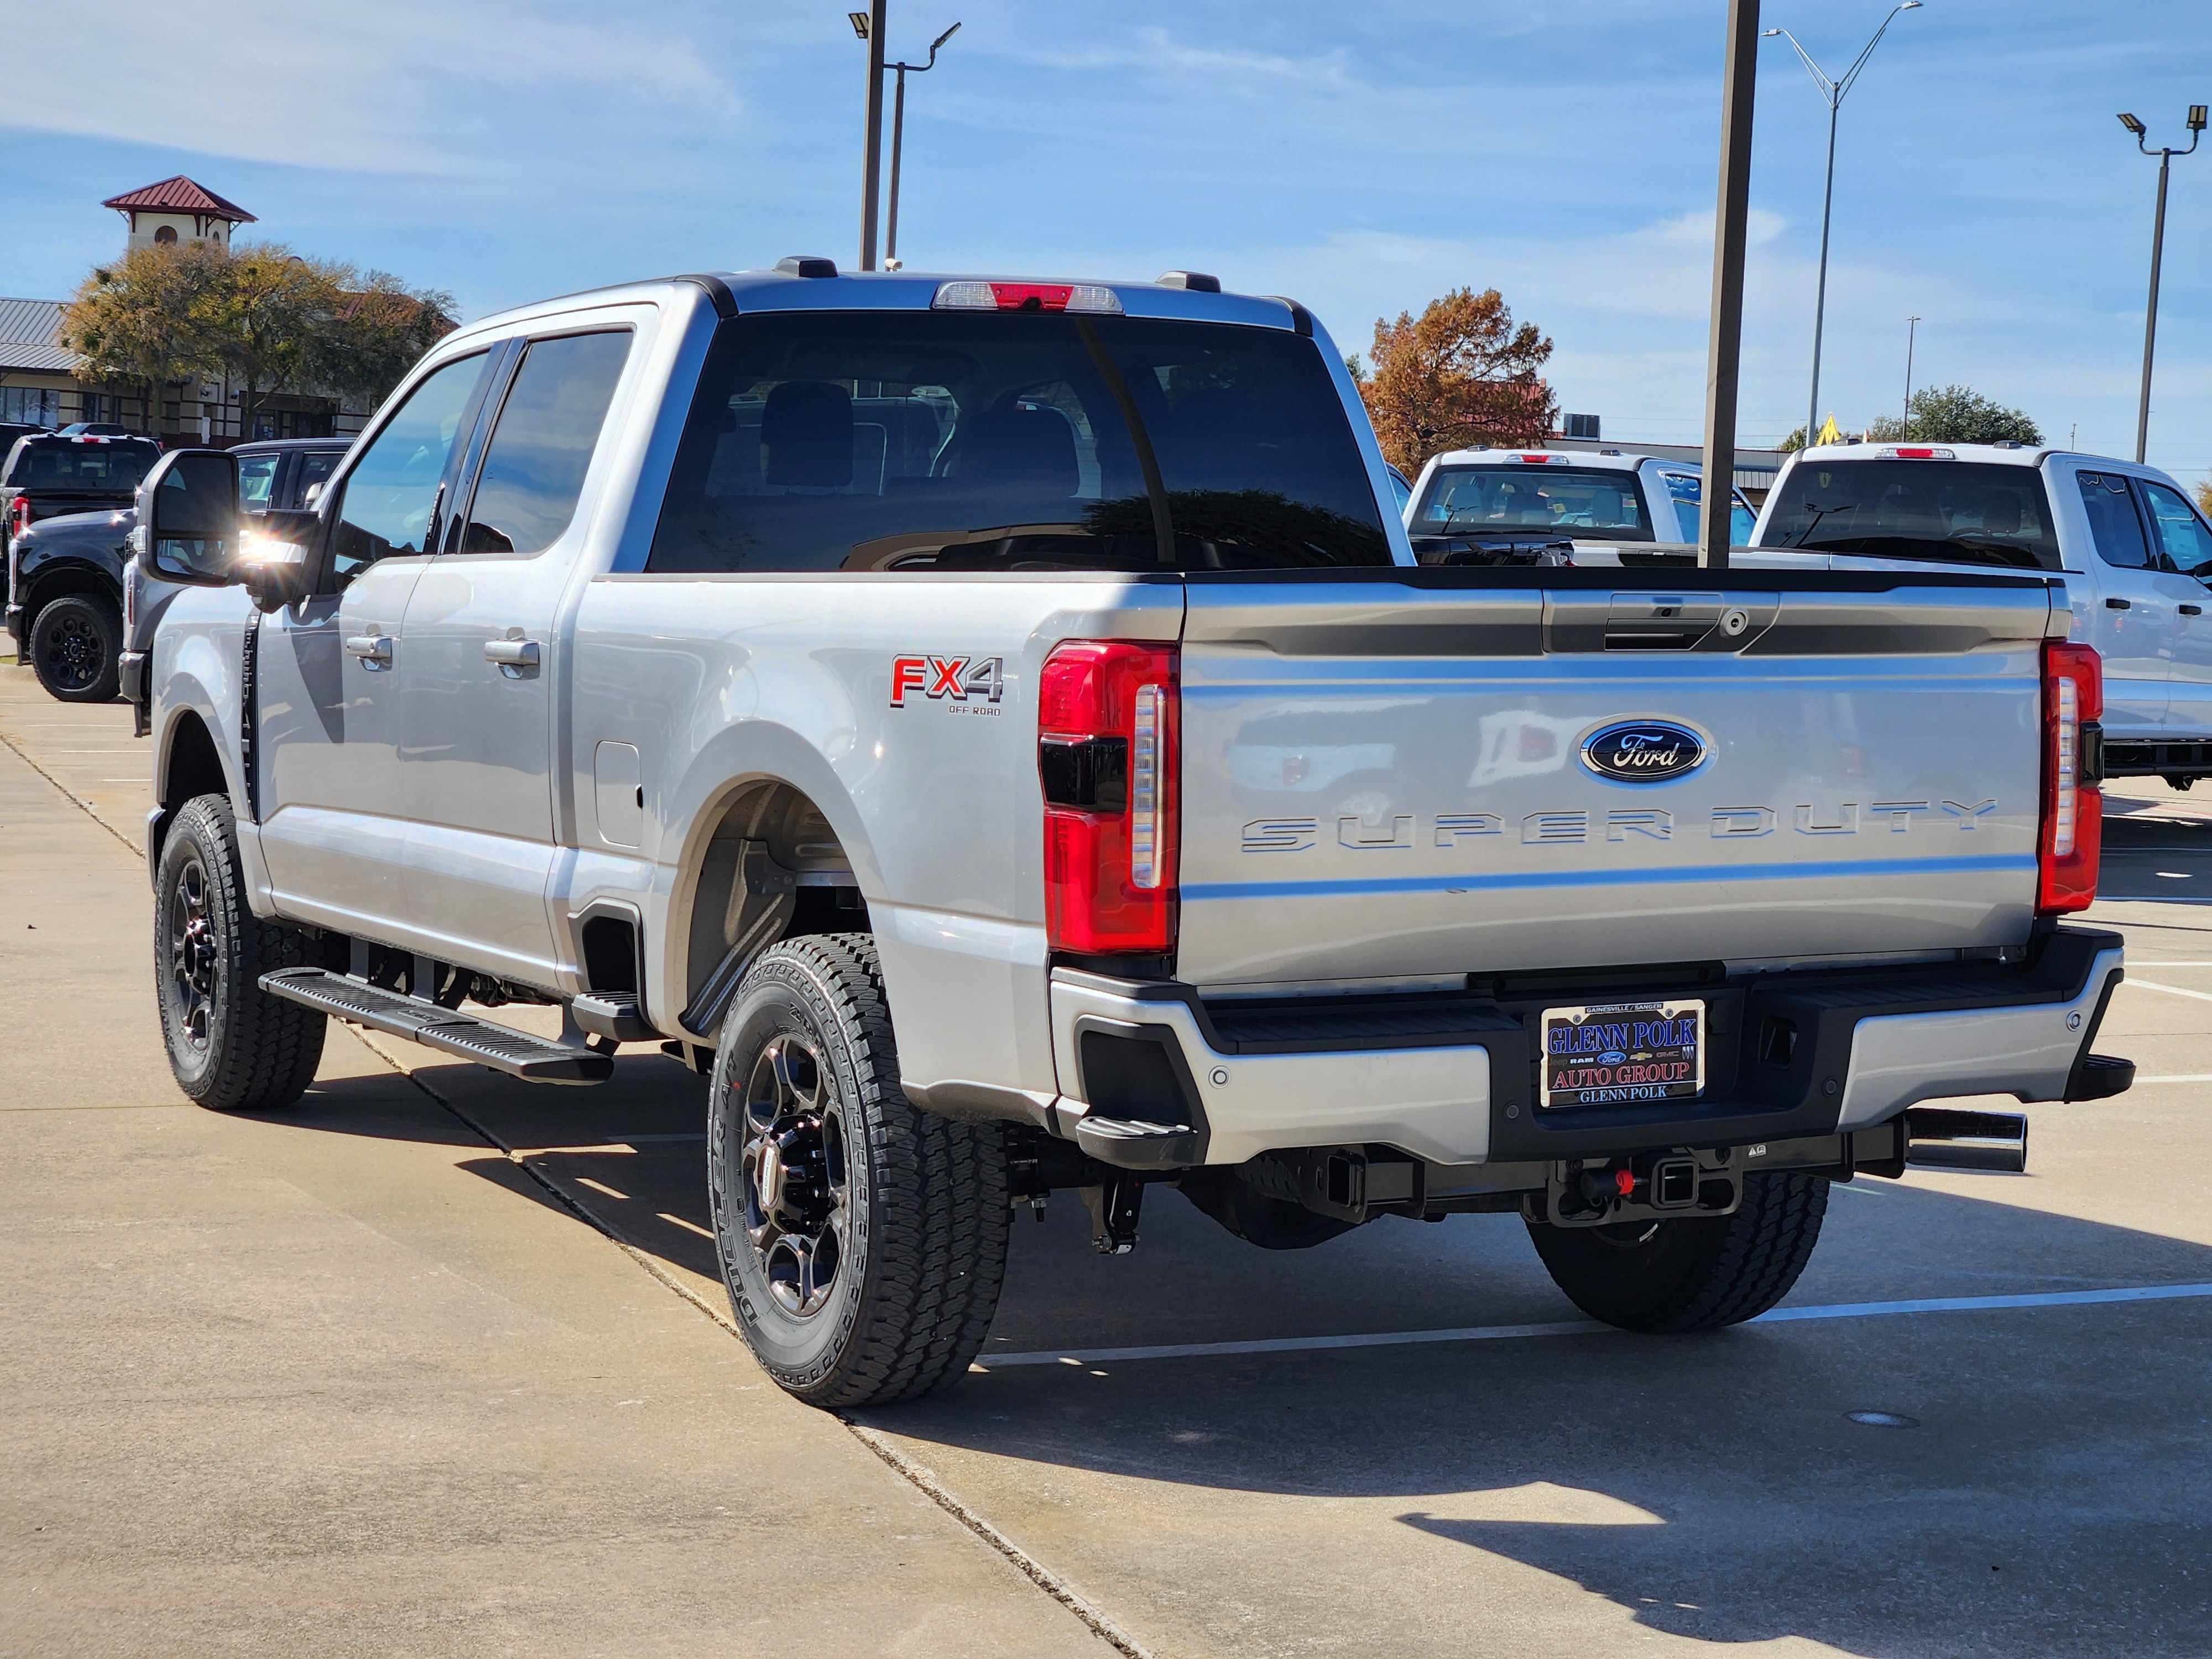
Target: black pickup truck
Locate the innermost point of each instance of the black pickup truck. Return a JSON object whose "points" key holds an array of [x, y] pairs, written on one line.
{"points": [[67, 555]]}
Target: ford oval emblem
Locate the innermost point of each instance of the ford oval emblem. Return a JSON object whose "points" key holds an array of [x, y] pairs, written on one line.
{"points": [[1643, 751]]}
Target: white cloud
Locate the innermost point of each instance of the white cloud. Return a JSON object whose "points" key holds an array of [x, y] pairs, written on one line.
{"points": [[382, 89]]}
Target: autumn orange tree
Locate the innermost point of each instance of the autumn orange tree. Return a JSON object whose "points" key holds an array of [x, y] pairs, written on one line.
{"points": [[1458, 376]]}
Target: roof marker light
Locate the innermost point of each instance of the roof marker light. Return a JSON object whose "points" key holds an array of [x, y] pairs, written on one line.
{"points": [[1026, 296]]}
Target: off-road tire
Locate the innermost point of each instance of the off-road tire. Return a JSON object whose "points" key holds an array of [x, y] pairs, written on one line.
{"points": [[923, 1251], [233, 1047], [1695, 1275], [76, 649]]}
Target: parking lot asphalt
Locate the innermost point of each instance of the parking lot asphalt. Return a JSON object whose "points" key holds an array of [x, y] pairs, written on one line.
{"points": [[438, 1363]]}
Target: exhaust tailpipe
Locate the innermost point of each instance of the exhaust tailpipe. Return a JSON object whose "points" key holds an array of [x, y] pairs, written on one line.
{"points": [[1938, 1139]]}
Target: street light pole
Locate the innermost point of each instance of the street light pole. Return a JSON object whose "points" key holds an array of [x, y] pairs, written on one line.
{"points": [[1911, 327], [898, 139], [2157, 248], [869, 26], [1832, 92]]}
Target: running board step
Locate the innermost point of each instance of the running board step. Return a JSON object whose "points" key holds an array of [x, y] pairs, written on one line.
{"points": [[517, 1053]]}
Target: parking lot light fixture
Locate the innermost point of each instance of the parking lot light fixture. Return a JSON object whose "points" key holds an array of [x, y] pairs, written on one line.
{"points": [[898, 135], [1834, 92], [2166, 154]]}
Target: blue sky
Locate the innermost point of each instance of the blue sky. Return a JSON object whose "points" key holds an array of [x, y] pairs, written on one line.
{"points": [[1363, 159]]}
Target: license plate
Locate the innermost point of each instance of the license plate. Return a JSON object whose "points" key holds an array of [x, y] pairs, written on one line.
{"points": [[1622, 1052]]}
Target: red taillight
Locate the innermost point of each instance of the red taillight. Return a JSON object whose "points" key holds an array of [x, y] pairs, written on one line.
{"points": [[19, 517], [2073, 812], [1108, 713]]}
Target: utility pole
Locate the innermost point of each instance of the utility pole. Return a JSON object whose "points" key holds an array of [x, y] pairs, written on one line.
{"points": [[1911, 324], [1724, 347], [869, 26], [2157, 248]]}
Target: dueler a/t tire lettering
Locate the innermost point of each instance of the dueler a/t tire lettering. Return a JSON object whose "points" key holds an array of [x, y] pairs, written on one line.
{"points": [[863, 1240], [233, 1047]]}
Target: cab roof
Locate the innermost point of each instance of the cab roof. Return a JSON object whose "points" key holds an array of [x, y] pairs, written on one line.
{"points": [[2001, 454], [813, 284], [1614, 460]]}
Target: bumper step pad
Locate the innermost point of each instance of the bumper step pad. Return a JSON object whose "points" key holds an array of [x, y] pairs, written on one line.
{"points": [[533, 1059]]}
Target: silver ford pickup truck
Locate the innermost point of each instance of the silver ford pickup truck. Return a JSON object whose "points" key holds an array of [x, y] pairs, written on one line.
{"points": [[997, 731]]}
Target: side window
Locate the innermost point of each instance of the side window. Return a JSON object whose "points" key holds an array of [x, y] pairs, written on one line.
{"points": [[1742, 521], [257, 481], [2113, 524], [391, 494], [2182, 536], [533, 469], [316, 466]]}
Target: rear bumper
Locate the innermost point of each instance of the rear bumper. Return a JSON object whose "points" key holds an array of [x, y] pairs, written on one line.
{"points": [[1452, 1079]]}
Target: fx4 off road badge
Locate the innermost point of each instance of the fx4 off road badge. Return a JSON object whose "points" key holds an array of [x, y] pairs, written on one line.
{"points": [[957, 680]]}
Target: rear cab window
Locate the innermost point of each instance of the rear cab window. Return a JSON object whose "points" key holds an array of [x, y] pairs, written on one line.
{"points": [[1586, 503], [1945, 511], [89, 466], [948, 440]]}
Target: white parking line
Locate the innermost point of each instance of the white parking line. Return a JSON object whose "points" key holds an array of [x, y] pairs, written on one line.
{"points": [[2184, 1076], [1588, 1327], [2170, 990]]}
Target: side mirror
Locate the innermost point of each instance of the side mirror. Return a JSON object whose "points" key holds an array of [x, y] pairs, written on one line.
{"points": [[188, 515], [272, 557]]}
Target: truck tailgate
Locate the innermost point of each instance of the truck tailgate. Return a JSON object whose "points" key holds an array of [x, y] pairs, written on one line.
{"points": [[1387, 779]]}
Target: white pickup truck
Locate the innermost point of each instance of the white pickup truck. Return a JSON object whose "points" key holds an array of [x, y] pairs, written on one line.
{"points": [[998, 732], [1559, 507], [2135, 552]]}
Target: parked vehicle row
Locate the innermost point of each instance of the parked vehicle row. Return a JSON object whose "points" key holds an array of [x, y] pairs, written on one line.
{"points": [[78, 610], [2135, 552], [1000, 731]]}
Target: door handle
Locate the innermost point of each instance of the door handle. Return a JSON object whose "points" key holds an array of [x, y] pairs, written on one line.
{"points": [[374, 649], [2116, 604], [512, 653], [2190, 610]]}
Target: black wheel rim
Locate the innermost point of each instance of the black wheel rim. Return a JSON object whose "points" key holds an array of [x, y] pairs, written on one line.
{"points": [[72, 652], [192, 956], [797, 1206]]}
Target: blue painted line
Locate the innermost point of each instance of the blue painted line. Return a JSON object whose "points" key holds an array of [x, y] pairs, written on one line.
{"points": [[2005, 864], [991, 1362]]}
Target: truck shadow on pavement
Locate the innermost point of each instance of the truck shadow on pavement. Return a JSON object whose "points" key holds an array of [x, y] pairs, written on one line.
{"points": [[2051, 1495]]}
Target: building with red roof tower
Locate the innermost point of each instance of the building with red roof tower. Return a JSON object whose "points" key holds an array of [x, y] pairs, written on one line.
{"points": [[178, 211]]}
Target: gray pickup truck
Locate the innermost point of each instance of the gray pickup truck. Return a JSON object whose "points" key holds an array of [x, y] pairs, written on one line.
{"points": [[998, 731]]}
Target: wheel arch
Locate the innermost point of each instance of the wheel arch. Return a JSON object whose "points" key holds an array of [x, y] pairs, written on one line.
{"points": [[765, 846], [188, 761], [59, 578]]}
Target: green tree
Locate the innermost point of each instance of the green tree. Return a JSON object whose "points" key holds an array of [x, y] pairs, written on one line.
{"points": [[1459, 375], [1955, 414], [140, 321], [376, 330], [266, 315]]}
